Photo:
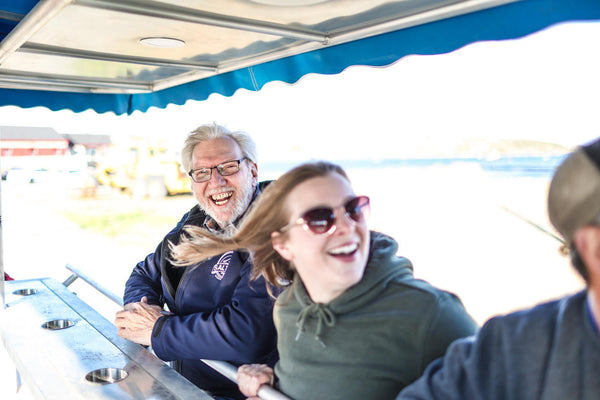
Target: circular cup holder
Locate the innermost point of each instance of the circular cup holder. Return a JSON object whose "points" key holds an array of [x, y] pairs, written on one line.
{"points": [[25, 292], [58, 324], [106, 375]]}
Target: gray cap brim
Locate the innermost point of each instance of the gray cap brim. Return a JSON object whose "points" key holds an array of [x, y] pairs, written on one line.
{"points": [[574, 195]]}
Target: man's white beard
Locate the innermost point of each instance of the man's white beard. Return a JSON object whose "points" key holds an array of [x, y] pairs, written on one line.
{"points": [[243, 196]]}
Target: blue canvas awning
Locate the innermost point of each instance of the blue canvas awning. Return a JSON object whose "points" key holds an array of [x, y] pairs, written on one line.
{"points": [[86, 54]]}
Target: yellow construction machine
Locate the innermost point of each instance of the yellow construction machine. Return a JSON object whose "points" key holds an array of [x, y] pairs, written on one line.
{"points": [[143, 169]]}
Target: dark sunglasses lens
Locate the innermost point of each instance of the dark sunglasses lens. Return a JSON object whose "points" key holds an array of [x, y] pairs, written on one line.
{"points": [[319, 220], [354, 208]]}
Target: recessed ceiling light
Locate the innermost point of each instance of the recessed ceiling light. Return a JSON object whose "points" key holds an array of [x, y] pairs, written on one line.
{"points": [[162, 42]]}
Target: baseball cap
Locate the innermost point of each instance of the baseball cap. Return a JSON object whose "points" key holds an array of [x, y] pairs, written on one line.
{"points": [[574, 195]]}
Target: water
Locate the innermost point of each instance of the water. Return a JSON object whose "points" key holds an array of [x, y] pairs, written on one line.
{"points": [[502, 167]]}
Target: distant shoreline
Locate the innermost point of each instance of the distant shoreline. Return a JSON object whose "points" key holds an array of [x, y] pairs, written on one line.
{"points": [[522, 165]]}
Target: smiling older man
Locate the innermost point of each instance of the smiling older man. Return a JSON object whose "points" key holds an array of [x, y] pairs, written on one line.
{"points": [[215, 311]]}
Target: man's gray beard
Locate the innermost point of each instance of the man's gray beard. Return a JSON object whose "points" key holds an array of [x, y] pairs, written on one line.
{"points": [[242, 201]]}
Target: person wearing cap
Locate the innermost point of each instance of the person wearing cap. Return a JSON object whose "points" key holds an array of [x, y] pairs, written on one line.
{"points": [[551, 351]]}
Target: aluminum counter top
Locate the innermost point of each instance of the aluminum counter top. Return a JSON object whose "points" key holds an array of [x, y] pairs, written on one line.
{"points": [[62, 348]]}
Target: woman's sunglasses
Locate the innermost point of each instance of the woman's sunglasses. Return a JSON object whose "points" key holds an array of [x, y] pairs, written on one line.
{"points": [[321, 220]]}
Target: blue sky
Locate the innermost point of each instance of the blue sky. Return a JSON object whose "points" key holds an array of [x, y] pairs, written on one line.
{"points": [[543, 87]]}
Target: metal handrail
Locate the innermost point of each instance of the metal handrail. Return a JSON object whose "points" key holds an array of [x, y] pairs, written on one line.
{"points": [[79, 274], [265, 392], [229, 371]]}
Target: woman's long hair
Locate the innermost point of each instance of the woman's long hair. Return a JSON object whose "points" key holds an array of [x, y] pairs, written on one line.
{"points": [[267, 214]]}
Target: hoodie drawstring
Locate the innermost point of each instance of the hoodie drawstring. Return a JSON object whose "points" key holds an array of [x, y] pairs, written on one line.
{"points": [[323, 315]]}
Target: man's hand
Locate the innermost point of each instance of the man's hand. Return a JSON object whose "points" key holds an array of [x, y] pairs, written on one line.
{"points": [[251, 377], [136, 321]]}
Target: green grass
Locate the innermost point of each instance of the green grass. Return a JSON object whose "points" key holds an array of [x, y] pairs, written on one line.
{"points": [[119, 223]]}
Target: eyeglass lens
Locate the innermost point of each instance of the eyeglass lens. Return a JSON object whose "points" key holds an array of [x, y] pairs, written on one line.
{"points": [[225, 169]]}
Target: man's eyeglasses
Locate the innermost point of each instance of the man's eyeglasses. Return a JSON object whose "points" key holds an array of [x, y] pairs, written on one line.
{"points": [[224, 169], [321, 220]]}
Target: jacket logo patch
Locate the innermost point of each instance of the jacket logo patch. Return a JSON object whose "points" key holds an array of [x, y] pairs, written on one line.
{"points": [[219, 269]]}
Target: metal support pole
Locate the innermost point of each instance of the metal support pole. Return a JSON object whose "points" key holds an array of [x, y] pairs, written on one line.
{"points": [[1, 255], [19, 380], [70, 280]]}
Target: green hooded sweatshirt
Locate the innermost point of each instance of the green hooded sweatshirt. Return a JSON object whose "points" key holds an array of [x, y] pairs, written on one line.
{"points": [[372, 340]]}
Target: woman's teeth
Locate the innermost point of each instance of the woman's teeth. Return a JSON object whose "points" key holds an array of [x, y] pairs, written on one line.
{"points": [[343, 250]]}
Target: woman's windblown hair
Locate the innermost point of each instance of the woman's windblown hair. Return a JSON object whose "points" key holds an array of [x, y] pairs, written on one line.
{"points": [[267, 214]]}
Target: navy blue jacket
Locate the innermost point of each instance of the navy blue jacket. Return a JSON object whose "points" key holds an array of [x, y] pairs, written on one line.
{"points": [[218, 313]]}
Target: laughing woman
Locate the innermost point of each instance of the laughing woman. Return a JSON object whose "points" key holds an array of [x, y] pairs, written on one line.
{"points": [[352, 322]]}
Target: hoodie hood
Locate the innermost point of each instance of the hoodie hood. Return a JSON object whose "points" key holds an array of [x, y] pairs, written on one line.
{"points": [[383, 267]]}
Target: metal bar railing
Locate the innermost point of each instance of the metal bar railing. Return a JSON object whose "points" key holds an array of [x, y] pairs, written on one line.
{"points": [[227, 370], [230, 372], [78, 274]]}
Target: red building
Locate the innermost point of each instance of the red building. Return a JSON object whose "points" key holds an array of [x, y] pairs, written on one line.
{"points": [[42, 148], [17, 141]]}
